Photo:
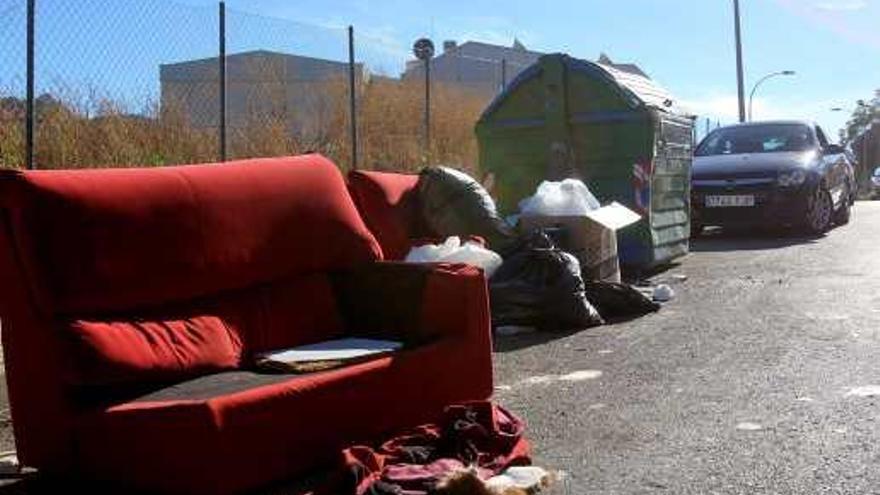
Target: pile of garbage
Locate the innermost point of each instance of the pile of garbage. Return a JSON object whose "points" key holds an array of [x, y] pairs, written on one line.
{"points": [[553, 266]]}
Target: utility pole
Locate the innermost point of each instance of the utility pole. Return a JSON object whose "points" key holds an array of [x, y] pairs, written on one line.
{"points": [[739, 64]]}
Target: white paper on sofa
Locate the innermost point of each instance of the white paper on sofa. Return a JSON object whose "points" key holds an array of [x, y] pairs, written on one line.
{"points": [[331, 350]]}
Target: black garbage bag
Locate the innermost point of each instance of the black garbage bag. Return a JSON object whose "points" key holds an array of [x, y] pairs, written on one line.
{"points": [[616, 300], [454, 204], [540, 286]]}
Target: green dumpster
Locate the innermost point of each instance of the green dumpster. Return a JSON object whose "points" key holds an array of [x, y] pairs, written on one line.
{"points": [[619, 132]]}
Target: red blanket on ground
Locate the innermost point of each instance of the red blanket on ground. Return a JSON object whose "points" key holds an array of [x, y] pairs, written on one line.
{"points": [[478, 434]]}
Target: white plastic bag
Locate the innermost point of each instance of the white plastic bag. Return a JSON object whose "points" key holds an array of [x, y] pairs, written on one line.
{"points": [[663, 293], [453, 251], [569, 197]]}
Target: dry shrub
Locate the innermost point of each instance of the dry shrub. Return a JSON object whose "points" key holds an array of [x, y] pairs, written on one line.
{"points": [[11, 139], [391, 126], [77, 132]]}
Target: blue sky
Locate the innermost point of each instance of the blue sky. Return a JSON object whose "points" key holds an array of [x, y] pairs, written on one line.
{"points": [[686, 45]]}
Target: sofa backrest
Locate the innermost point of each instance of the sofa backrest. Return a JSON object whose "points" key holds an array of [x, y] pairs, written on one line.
{"points": [[107, 240], [107, 245]]}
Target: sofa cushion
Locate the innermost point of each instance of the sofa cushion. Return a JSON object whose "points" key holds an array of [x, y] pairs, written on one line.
{"points": [[109, 353], [178, 341], [256, 429], [109, 240], [388, 203]]}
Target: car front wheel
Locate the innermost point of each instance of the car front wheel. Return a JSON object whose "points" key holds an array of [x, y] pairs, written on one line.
{"points": [[843, 214], [820, 209]]}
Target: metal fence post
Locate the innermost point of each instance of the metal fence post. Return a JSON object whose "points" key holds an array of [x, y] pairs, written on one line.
{"points": [[428, 107], [29, 127], [503, 74], [352, 99], [222, 79]]}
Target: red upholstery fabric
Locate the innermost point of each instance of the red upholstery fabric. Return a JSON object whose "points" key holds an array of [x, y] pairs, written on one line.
{"points": [[389, 206], [249, 246], [119, 352], [237, 441], [298, 312], [39, 401], [106, 244], [105, 240]]}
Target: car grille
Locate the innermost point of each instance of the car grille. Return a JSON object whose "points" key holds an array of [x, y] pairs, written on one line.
{"points": [[731, 186]]}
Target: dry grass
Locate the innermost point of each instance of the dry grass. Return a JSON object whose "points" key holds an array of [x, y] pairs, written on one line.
{"points": [[391, 126], [11, 140], [76, 132]]}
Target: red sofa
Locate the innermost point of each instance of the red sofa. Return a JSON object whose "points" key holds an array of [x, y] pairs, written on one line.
{"points": [[133, 301], [389, 205]]}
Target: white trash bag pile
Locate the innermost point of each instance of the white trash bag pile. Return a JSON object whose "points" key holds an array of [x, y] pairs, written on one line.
{"points": [[569, 197], [454, 251]]}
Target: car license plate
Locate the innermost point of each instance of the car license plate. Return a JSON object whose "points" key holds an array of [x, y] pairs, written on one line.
{"points": [[743, 200]]}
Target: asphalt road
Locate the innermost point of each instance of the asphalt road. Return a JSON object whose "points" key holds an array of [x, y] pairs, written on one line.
{"points": [[747, 382]]}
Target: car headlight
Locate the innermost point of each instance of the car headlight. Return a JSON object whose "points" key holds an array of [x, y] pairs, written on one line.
{"points": [[793, 178]]}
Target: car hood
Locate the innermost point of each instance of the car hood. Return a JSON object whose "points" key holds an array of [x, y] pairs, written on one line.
{"points": [[750, 164]]}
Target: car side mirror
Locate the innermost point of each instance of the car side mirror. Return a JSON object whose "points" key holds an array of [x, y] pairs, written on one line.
{"points": [[833, 149]]}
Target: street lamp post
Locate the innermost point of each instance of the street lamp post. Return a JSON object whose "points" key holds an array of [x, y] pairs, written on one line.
{"points": [[739, 62], [423, 49], [755, 87]]}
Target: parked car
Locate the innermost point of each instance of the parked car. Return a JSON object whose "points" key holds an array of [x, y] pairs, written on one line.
{"points": [[875, 184], [781, 173]]}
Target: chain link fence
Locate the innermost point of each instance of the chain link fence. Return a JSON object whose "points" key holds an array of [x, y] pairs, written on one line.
{"points": [[13, 16], [139, 83]]}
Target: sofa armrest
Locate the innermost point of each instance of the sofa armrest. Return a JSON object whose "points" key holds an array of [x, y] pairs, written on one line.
{"points": [[415, 303]]}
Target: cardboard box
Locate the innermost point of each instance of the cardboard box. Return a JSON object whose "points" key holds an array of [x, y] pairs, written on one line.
{"points": [[592, 239]]}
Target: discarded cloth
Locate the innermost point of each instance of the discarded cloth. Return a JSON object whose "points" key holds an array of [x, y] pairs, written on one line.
{"points": [[477, 434]]}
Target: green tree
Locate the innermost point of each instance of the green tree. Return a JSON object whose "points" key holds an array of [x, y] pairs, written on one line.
{"points": [[864, 113]]}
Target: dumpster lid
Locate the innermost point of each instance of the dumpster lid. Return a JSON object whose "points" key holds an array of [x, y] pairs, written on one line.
{"points": [[644, 88], [638, 90]]}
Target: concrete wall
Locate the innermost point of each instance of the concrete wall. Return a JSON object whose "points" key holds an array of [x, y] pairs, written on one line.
{"points": [[261, 87], [476, 67]]}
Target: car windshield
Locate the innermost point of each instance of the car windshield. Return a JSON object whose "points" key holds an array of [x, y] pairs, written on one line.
{"points": [[768, 138]]}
